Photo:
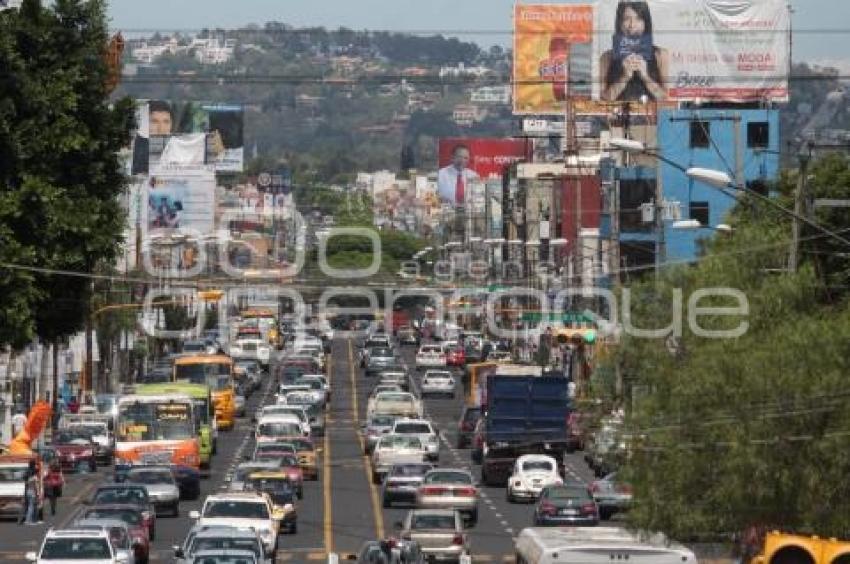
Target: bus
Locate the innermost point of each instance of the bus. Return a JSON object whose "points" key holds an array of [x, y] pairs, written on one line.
{"points": [[215, 371], [204, 413], [156, 429]]}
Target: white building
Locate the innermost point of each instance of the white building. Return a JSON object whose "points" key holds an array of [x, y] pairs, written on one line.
{"points": [[212, 51], [491, 95]]}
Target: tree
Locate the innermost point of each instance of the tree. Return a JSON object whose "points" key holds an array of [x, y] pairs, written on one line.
{"points": [[59, 143], [751, 429]]}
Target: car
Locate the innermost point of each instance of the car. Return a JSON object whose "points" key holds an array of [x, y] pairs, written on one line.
{"points": [[199, 347], [224, 556], [430, 356], [209, 537], [394, 378], [380, 359], [390, 551], [119, 534], [315, 387], [455, 355], [438, 383], [289, 469], [402, 404], [128, 494], [273, 450], [272, 427], [532, 473], [611, 496], [422, 429], [439, 532], [239, 399], [236, 481], [566, 505], [161, 485], [323, 380], [370, 402], [466, 425], [304, 396], [251, 372], [90, 545], [449, 488], [75, 449], [132, 517], [299, 411], [283, 493], [375, 427], [306, 452], [252, 348], [499, 356], [396, 449], [408, 335], [402, 482], [96, 427], [245, 509]]}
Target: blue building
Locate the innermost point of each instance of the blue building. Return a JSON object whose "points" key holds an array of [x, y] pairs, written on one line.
{"points": [[744, 143]]}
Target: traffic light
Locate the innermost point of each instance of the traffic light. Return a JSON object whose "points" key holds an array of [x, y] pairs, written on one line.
{"points": [[780, 548]]}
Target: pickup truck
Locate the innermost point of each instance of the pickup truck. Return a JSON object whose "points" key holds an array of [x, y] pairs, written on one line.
{"points": [[524, 415], [400, 404]]}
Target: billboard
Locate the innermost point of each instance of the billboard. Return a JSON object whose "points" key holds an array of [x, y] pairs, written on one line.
{"points": [[477, 158], [180, 200], [551, 46], [684, 50], [188, 134]]}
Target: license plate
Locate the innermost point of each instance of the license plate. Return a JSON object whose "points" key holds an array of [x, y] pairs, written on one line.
{"points": [[569, 512]]}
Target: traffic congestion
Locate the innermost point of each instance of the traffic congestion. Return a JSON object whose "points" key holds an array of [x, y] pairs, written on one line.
{"points": [[263, 443]]}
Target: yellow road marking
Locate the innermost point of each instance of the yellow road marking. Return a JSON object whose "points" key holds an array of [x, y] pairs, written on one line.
{"points": [[326, 475], [367, 462]]}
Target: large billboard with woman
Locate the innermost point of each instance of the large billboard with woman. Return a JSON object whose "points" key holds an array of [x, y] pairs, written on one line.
{"points": [[685, 50]]}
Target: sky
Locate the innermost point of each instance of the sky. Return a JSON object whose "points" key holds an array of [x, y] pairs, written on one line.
{"points": [[822, 27]]}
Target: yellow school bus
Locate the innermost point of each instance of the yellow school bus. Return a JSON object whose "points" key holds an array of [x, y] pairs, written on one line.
{"points": [[215, 371]]}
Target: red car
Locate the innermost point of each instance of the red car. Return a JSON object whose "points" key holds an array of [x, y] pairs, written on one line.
{"points": [[455, 356], [132, 516], [288, 464], [75, 450]]}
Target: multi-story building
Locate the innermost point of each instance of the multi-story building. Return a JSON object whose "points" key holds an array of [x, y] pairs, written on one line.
{"points": [[491, 95]]}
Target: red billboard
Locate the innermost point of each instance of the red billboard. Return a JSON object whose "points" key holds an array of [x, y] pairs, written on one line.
{"points": [[487, 156]]}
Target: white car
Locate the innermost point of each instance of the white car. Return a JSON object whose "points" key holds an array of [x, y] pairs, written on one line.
{"points": [[401, 404], [438, 383], [422, 429], [243, 510], [396, 449], [430, 356], [70, 545], [281, 408], [252, 349], [282, 425], [532, 473]]}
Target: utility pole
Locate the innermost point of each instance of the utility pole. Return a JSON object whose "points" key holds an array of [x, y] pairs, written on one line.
{"points": [[800, 196]]}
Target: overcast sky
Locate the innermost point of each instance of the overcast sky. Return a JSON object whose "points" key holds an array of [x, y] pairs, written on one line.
{"points": [[822, 27]]}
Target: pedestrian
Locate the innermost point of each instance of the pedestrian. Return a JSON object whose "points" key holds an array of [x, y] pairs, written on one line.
{"points": [[29, 508], [53, 483]]}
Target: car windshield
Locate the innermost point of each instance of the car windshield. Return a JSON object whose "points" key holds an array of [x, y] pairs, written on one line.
{"points": [[533, 465], [382, 421], [314, 384], [448, 478], [278, 429], [390, 396], [72, 436], [237, 509], [121, 495], [279, 489], [15, 474], [223, 559], [568, 493], [242, 472], [150, 477], [302, 445], [410, 470], [433, 522], [76, 549], [381, 352], [133, 518], [412, 428], [225, 543]]}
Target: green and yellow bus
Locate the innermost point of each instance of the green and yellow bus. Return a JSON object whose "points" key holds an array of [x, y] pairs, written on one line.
{"points": [[204, 413], [216, 371]]}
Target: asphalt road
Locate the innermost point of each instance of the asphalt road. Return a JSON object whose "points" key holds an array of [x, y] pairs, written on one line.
{"points": [[342, 508]]}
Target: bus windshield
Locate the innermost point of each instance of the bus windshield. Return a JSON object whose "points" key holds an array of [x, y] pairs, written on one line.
{"points": [[155, 421], [216, 376], [202, 411]]}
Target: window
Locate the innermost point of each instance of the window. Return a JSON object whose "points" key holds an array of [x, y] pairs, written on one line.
{"points": [[758, 135], [699, 212], [633, 193], [700, 134]]}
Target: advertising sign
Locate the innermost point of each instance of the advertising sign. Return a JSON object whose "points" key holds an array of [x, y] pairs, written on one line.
{"points": [[547, 56], [475, 159], [188, 134], [684, 50], [183, 200]]}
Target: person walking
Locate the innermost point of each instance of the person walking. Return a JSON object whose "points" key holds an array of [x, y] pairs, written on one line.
{"points": [[53, 483], [29, 508]]}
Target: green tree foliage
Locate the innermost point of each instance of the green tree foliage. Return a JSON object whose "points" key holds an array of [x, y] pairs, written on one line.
{"points": [[61, 178], [754, 429]]}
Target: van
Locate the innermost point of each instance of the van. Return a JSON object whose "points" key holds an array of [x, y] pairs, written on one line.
{"points": [[592, 545]]}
